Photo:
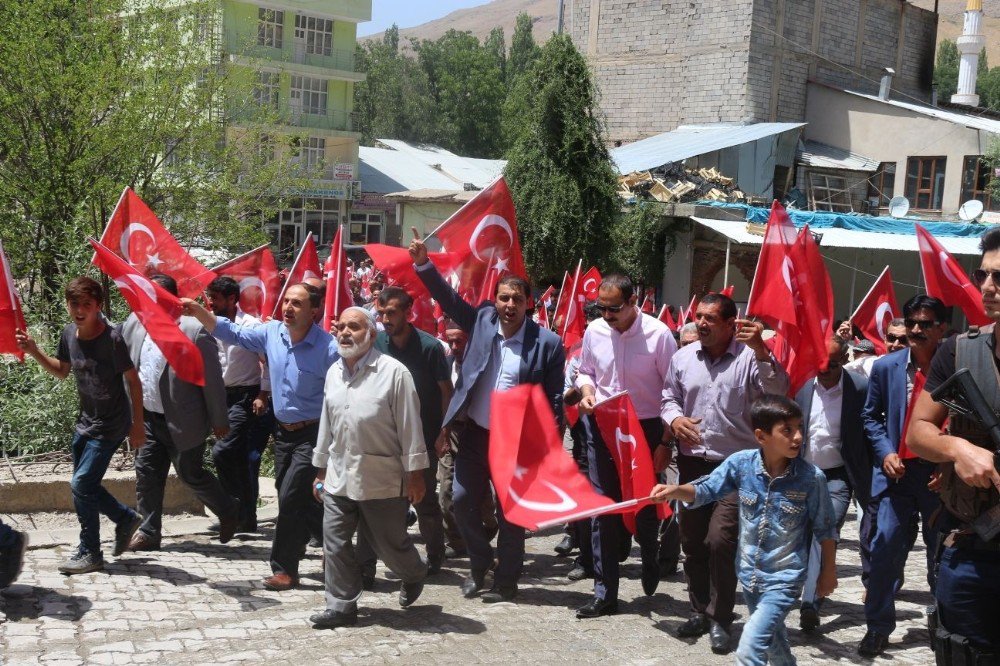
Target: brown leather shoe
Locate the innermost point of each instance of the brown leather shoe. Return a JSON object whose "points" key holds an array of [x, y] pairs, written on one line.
{"points": [[140, 542], [280, 582]]}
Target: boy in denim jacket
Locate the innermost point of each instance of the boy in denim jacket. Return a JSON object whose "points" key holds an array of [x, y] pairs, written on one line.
{"points": [[783, 503]]}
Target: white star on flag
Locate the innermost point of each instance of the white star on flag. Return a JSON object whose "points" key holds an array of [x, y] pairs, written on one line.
{"points": [[154, 260]]}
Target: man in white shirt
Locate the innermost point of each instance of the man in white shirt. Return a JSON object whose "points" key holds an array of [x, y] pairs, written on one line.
{"points": [[370, 457], [247, 388]]}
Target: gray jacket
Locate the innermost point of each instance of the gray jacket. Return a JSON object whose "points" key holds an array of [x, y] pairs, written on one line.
{"points": [[190, 410]]}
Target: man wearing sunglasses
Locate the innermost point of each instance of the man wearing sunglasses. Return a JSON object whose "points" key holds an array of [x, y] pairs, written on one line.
{"points": [[899, 479], [968, 583]]}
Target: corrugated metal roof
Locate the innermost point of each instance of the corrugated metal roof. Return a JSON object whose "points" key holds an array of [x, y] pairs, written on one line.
{"points": [[833, 237], [383, 171], [821, 155], [456, 196], [967, 119], [691, 140], [462, 170]]}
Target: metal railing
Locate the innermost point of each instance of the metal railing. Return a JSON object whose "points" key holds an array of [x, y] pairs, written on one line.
{"points": [[291, 51]]}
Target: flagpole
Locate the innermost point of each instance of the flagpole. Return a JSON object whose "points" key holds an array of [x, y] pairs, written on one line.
{"points": [[104, 233], [450, 217], [291, 270], [854, 278], [590, 513], [610, 398], [340, 270], [561, 290], [870, 290], [725, 275], [572, 295]]}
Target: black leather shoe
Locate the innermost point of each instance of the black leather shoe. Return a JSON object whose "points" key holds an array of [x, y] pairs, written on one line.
{"points": [[367, 582], [808, 617], [873, 644], [433, 566], [697, 625], [409, 593], [718, 638], [124, 531], [565, 546], [473, 584], [228, 525], [500, 593], [596, 608], [331, 619], [650, 577], [579, 573]]}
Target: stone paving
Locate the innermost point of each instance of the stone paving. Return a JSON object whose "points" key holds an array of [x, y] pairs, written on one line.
{"points": [[199, 602]]}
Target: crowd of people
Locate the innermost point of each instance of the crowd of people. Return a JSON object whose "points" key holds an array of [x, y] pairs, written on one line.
{"points": [[381, 419]]}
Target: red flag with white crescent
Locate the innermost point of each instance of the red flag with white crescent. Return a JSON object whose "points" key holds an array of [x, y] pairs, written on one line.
{"points": [[158, 311], [338, 291], [11, 314], [946, 279], [876, 310], [257, 274], [535, 478], [136, 235], [623, 436], [569, 317], [590, 283], [306, 266]]}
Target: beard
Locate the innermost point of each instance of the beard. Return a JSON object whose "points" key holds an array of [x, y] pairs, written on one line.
{"points": [[355, 349]]}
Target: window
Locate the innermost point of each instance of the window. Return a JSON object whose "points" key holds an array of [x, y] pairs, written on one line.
{"points": [[365, 228], [829, 192], [976, 182], [270, 27], [925, 182], [265, 149], [317, 33], [308, 95], [266, 89], [311, 152], [880, 185]]}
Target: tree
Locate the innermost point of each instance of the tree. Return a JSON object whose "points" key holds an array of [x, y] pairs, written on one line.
{"points": [[946, 69], [496, 45], [558, 168], [523, 49]]}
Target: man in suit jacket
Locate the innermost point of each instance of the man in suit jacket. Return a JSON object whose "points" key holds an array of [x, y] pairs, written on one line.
{"points": [[178, 416], [833, 439], [505, 349], [899, 481]]}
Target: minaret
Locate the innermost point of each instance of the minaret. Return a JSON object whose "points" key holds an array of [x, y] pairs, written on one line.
{"points": [[969, 45]]}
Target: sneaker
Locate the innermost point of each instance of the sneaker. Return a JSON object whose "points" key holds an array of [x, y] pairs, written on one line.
{"points": [[124, 531], [12, 560], [81, 563]]}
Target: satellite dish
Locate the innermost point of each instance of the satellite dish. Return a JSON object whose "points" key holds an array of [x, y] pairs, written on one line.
{"points": [[970, 210], [899, 206]]}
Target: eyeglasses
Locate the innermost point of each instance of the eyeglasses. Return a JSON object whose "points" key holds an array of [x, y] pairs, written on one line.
{"points": [[889, 337], [979, 277], [923, 323], [614, 309]]}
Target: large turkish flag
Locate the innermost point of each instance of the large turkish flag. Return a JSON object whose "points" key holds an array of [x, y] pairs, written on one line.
{"points": [[946, 279], [257, 274], [876, 311]]}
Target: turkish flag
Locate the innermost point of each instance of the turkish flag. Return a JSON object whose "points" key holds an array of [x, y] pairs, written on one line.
{"points": [[136, 235], [338, 291], [257, 274], [570, 321], [535, 478], [691, 308], [876, 311], [649, 301], [728, 291], [306, 266], [667, 318], [591, 283], [819, 278], [622, 434], [397, 269], [482, 235], [542, 308], [947, 281], [11, 315], [158, 311]]}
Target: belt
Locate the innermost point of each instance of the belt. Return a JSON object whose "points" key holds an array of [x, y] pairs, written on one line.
{"points": [[966, 539], [292, 427], [838, 473]]}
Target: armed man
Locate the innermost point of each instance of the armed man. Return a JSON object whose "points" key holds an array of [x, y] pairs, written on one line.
{"points": [[968, 582]]}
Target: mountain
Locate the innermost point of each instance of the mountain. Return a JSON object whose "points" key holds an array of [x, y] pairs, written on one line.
{"points": [[480, 20]]}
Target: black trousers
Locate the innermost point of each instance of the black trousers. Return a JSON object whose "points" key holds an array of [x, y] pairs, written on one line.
{"points": [[152, 464], [231, 453], [299, 514]]}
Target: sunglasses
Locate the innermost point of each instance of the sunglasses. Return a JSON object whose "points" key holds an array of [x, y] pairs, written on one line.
{"points": [[614, 309], [923, 323], [889, 337], [979, 277]]}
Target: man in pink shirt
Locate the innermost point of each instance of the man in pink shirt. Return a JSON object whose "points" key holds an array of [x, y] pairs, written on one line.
{"points": [[625, 350]]}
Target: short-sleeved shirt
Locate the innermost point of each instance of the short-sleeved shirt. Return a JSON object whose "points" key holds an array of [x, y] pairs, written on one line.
{"points": [[98, 366], [943, 365], [424, 357]]}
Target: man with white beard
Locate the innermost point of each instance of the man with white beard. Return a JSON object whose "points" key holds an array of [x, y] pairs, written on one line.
{"points": [[370, 457]]}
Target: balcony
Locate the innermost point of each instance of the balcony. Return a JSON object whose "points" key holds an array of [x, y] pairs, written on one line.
{"points": [[296, 116], [292, 51]]}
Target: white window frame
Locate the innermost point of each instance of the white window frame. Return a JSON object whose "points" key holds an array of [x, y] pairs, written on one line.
{"points": [[267, 89], [316, 33], [270, 27], [311, 94]]}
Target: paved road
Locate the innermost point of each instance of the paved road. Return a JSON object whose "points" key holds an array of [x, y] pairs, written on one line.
{"points": [[199, 602]]}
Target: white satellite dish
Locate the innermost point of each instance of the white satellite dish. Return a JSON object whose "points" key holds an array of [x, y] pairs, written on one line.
{"points": [[899, 206], [970, 210]]}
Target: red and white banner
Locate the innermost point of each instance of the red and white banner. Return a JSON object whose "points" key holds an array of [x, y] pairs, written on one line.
{"points": [[591, 283], [158, 311], [306, 266], [338, 291], [876, 310], [946, 279], [257, 274], [136, 235], [11, 314], [570, 320]]}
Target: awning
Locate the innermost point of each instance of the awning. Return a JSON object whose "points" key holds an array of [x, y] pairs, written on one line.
{"points": [[845, 238]]}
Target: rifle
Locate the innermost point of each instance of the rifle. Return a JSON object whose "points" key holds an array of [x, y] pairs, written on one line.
{"points": [[962, 395]]}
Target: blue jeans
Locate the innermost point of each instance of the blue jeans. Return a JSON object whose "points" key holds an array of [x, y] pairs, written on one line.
{"points": [[90, 462], [840, 495], [968, 584], [764, 638]]}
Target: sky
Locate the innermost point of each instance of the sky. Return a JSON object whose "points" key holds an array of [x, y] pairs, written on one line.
{"points": [[408, 13]]}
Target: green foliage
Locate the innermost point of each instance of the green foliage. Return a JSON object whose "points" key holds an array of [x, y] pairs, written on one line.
{"points": [[558, 168], [523, 49], [640, 243], [946, 69], [992, 158], [29, 422]]}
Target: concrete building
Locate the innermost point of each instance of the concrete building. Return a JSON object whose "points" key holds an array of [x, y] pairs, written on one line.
{"points": [[664, 63]]}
